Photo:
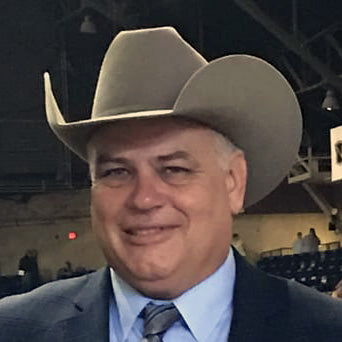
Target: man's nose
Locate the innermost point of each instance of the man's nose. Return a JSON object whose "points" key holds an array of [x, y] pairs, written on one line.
{"points": [[148, 192]]}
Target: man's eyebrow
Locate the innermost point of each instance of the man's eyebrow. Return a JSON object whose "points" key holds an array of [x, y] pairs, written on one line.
{"points": [[175, 155], [103, 158]]}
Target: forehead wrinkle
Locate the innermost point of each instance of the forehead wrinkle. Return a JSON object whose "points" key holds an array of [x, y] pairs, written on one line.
{"points": [[105, 158], [175, 155]]}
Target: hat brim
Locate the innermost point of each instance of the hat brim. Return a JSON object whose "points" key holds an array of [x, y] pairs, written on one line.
{"points": [[241, 96]]}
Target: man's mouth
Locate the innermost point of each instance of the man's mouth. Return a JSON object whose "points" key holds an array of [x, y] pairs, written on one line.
{"points": [[149, 234], [147, 231]]}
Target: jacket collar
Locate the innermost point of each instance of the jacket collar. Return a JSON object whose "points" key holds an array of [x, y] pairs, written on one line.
{"points": [[259, 301], [91, 319]]}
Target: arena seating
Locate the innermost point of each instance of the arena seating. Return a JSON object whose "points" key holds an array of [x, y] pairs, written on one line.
{"points": [[321, 270], [10, 285]]}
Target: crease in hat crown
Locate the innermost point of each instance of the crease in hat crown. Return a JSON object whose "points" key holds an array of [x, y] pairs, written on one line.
{"points": [[153, 73], [142, 71]]}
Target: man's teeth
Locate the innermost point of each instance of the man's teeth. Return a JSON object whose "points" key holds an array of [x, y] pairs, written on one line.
{"points": [[144, 232]]}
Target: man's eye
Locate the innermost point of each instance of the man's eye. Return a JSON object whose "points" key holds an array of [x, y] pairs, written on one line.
{"points": [[118, 172], [176, 170], [114, 177], [176, 175]]}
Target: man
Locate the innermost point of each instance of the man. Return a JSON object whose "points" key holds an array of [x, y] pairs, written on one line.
{"points": [[28, 268], [237, 243], [168, 146], [297, 246], [310, 242]]}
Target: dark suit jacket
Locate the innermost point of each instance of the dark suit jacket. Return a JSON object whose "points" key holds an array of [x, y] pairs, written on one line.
{"points": [[266, 309]]}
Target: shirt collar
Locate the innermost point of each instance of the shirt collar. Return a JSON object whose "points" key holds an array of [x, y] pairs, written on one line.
{"points": [[129, 302], [209, 299]]}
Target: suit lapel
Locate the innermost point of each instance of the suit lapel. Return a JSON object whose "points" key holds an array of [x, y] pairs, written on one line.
{"points": [[91, 319], [258, 306]]}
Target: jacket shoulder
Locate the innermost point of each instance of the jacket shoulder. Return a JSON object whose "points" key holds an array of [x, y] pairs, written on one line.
{"points": [[26, 316], [319, 305], [312, 313], [55, 292], [275, 308]]}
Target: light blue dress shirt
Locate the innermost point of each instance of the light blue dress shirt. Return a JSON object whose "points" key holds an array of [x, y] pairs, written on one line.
{"points": [[206, 309]]}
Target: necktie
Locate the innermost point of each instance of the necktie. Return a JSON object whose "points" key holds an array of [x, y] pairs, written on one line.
{"points": [[157, 319]]}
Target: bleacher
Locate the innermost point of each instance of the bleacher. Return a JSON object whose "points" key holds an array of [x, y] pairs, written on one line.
{"points": [[321, 270], [10, 285]]}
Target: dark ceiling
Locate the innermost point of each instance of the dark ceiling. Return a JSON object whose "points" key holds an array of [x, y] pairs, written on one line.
{"points": [[301, 38]]}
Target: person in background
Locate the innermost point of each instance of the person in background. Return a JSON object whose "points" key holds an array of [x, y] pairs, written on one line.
{"points": [[238, 244], [297, 246], [168, 144], [65, 271], [310, 242], [28, 269]]}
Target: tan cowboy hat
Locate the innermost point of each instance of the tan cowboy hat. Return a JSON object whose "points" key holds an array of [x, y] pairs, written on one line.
{"points": [[154, 73]]}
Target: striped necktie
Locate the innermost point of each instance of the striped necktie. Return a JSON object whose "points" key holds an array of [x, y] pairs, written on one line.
{"points": [[157, 319]]}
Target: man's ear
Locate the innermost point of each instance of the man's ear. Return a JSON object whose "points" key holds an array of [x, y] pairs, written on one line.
{"points": [[236, 179]]}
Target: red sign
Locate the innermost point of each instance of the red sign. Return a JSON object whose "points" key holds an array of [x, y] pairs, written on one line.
{"points": [[72, 235]]}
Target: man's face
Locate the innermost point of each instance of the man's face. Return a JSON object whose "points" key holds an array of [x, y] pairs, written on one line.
{"points": [[162, 204]]}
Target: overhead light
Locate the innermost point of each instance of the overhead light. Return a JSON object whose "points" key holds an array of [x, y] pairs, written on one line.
{"points": [[330, 101], [88, 25]]}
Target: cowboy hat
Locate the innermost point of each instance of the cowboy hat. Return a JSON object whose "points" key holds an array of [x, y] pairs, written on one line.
{"points": [[153, 73]]}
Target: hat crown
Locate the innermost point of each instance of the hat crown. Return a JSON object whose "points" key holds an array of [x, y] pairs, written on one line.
{"points": [[144, 70]]}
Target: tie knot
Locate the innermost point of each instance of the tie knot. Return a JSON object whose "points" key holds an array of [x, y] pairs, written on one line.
{"points": [[158, 318]]}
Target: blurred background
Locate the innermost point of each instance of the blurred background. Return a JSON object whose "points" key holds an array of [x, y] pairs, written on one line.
{"points": [[44, 197]]}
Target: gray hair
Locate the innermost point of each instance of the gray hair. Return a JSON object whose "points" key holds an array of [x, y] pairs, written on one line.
{"points": [[224, 149]]}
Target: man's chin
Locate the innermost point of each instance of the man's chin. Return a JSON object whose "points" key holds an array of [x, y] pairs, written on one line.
{"points": [[157, 285], [158, 290]]}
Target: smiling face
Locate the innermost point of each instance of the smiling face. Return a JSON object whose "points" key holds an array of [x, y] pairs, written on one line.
{"points": [[162, 204]]}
